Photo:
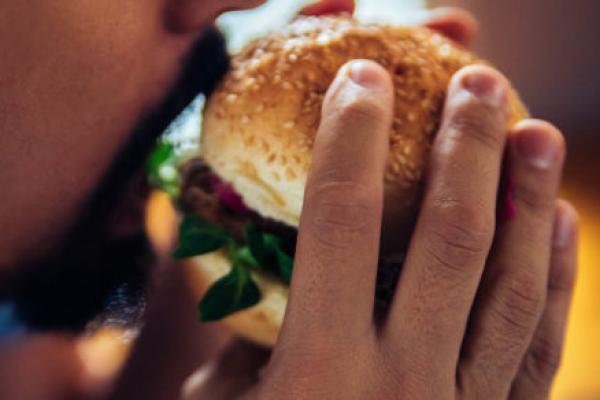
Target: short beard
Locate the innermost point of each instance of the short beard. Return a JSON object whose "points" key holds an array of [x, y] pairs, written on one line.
{"points": [[92, 270]]}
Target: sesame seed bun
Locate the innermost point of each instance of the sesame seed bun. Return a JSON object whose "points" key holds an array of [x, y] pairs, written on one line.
{"points": [[260, 124]]}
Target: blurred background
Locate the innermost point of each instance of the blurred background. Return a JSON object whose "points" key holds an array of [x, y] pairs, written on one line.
{"points": [[550, 49]]}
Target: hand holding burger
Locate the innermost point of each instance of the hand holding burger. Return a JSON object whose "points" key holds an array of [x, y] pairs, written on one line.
{"points": [[469, 286]]}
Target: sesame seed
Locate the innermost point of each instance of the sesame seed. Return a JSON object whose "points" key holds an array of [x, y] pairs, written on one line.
{"points": [[249, 82], [290, 174], [231, 98]]}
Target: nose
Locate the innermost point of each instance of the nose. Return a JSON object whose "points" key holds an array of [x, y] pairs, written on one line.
{"points": [[187, 16]]}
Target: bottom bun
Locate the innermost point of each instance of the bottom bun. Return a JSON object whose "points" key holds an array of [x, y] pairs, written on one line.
{"points": [[260, 323]]}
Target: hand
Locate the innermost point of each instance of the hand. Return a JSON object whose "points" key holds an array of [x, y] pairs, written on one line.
{"points": [[479, 312], [475, 314], [481, 305]]}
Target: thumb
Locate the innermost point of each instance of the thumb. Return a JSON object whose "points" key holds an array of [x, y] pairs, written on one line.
{"points": [[324, 7]]}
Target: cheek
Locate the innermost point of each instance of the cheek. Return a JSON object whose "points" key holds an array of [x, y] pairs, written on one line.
{"points": [[75, 77]]}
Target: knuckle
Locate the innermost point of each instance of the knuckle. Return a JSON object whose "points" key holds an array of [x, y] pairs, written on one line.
{"points": [[474, 386], [321, 368], [342, 212], [543, 360], [474, 121], [520, 303], [407, 382], [533, 198], [459, 234]]}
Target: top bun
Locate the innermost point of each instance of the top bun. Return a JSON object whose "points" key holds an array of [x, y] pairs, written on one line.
{"points": [[260, 124]]}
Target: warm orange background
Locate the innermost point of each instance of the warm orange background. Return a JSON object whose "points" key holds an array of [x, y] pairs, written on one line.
{"points": [[579, 377]]}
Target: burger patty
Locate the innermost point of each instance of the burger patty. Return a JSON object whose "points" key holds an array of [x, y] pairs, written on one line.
{"points": [[204, 194]]}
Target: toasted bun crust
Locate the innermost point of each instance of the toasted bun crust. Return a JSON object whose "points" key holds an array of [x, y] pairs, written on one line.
{"points": [[260, 124]]}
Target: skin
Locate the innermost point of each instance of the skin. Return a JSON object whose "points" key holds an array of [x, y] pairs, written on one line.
{"points": [[481, 305]]}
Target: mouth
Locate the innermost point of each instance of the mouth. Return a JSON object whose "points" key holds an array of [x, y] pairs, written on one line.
{"points": [[94, 271]]}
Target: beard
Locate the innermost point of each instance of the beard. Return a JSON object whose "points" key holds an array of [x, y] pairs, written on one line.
{"points": [[95, 273]]}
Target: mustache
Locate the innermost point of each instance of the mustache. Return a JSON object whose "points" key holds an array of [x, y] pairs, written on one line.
{"points": [[74, 285]]}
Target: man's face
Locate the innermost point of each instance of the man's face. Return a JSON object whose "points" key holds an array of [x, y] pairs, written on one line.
{"points": [[76, 78]]}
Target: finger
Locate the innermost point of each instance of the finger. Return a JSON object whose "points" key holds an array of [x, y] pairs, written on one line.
{"points": [[455, 227], [324, 7], [454, 23], [332, 290], [235, 373], [512, 294], [542, 359]]}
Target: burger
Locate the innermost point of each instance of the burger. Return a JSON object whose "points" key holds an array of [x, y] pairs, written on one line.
{"points": [[241, 193]]}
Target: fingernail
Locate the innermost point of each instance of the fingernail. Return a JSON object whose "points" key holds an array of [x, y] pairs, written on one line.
{"points": [[485, 87], [564, 229], [366, 74], [537, 147]]}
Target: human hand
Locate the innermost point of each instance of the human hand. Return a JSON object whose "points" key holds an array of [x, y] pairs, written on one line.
{"points": [[478, 312], [481, 304]]}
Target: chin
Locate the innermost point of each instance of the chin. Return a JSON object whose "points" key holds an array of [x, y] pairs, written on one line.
{"points": [[95, 273]]}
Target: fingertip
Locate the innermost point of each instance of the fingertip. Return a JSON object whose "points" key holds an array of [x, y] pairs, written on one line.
{"points": [[454, 23], [483, 82], [540, 143], [549, 129], [369, 74], [359, 81], [327, 7]]}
